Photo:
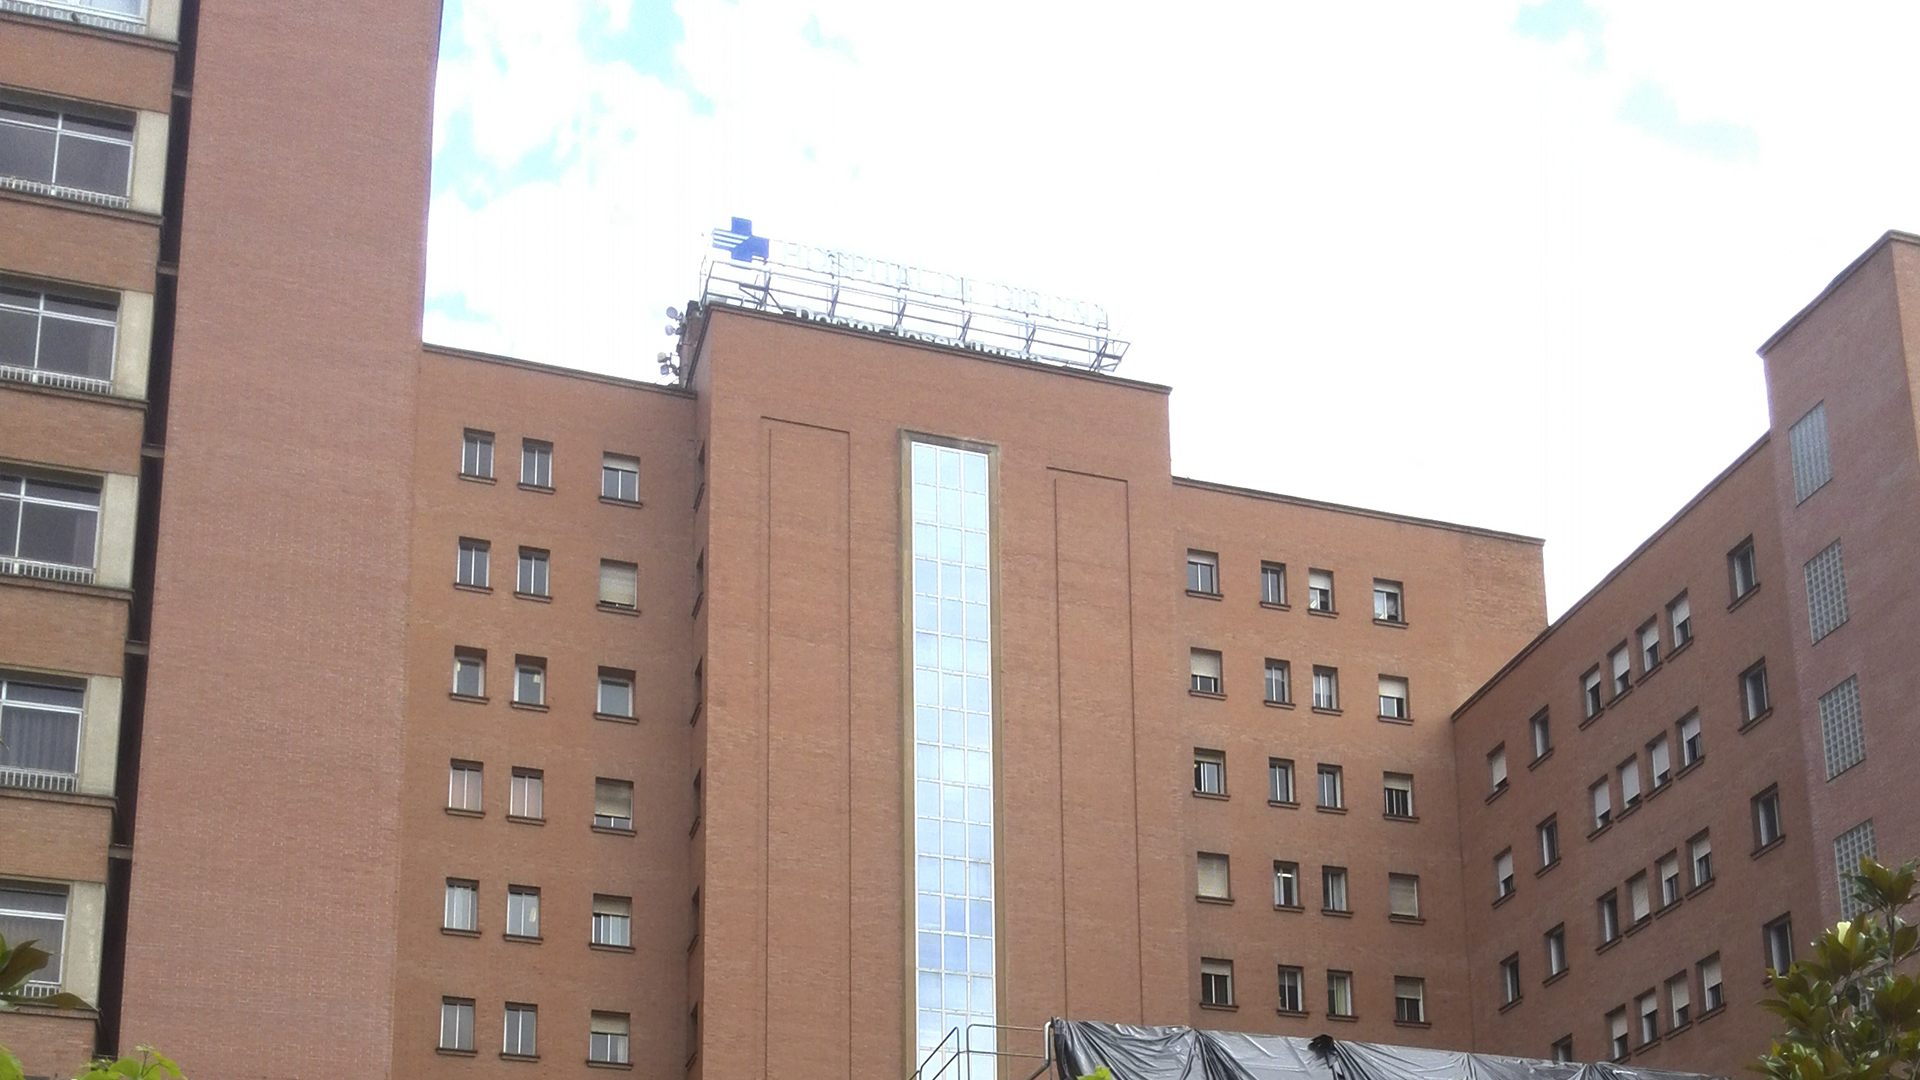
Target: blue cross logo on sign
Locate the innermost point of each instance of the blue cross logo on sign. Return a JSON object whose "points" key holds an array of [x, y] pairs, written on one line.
{"points": [[739, 242]]}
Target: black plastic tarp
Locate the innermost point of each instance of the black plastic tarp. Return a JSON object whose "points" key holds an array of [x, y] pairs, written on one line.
{"points": [[1081, 1047]]}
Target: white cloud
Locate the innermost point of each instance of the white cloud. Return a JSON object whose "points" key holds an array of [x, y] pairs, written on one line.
{"points": [[1397, 255]]}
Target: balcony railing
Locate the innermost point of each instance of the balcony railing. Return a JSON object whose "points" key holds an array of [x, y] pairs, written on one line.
{"points": [[59, 380], [57, 191], [72, 575], [38, 779], [105, 16], [39, 989]]}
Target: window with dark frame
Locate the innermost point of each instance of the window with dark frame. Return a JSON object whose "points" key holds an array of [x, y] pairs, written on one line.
{"points": [[1292, 987], [1409, 1000], [1216, 982]]}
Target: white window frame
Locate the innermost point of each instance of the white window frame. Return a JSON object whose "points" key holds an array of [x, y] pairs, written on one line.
{"points": [[41, 310], [536, 464], [476, 454], [1326, 688], [621, 473], [1394, 692], [1330, 785], [1209, 772], [1203, 572], [462, 911], [465, 785], [1389, 602], [527, 796], [533, 572], [520, 1031]]}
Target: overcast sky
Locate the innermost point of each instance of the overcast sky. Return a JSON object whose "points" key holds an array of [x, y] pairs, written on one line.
{"points": [[1500, 263]]}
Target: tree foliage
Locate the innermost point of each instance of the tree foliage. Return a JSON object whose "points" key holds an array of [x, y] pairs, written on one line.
{"points": [[1851, 1013], [17, 964]]}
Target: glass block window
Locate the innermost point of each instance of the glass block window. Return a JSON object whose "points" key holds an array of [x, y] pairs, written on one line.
{"points": [[1848, 849], [1812, 467], [953, 743], [1826, 592], [1840, 727]]}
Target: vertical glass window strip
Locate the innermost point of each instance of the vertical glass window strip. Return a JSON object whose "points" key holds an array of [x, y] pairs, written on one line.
{"points": [[1848, 849], [1826, 592], [1840, 727], [953, 794], [1812, 467]]}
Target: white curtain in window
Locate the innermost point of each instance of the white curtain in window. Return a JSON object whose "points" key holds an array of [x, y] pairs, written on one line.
{"points": [[619, 584]]}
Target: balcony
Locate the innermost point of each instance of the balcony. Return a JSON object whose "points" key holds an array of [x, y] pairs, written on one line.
{"points": [[46, 571], [59, 380], [127, 16], [38, 779]]}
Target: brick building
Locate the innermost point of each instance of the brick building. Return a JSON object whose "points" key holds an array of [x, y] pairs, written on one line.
{"points": [[483, 717]]}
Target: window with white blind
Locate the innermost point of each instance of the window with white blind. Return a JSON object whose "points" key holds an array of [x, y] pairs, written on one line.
{"points": [[463, 785], [1203, 573], [1667, 871], [608, 1034], [456, 1024], [1203, 666], [1279, 682], [1333, 888], [1602, 798], [1648, 1006], [1812, 467], [1209, 772], [1700, 858], [1679, 1002], [1622, 665], [1650, 646], [1629, 784], [1292, 989], [522, 1022], [1743, 570], [527, 797], [1848, 849], [463, 905], [1280, 780], [31, 911], [476, 454], [1393, 698], [1680, 619], [616, 694], [523, 911], [1617, 1034], [40, 732], [1409, 1000], [1690, 748], [613, 921], [1214, 881], [613, 803], [1826, 592], [1339, 993], [1399, 795], [470, 568], [1503, 875], [1712, 996], [619, 584], [1542, 732], [1590, 693], [58, 339], [1320, 590], [1660, 761], [1286, 884], [1326, 688], [1403, 895], [536, 463], [619, 478], [1640, 901], [1497, 768], [1840, 727], [1216, 982]]}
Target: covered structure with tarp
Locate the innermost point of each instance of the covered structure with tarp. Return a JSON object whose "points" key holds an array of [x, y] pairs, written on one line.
{"points": [[1083, 1047]]}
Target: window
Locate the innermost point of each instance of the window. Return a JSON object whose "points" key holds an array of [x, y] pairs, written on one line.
{"points": [[1690, 749], [536, 463], [1826, 592], [1214, 881], [1279, 682], [1777, 937], [1649, 647], [463, 786], [616, 693], [1766, 818], [607, 1038], [1556, 940], [1617, 1033], [1609, 908], [463, 905], [1602, 804], [33, 912], [1848, 849], [57, 340], [1563, 1049], [1403, 895], [1497, 768], [1711, 994], [1205, 667], [58, 149], [1409, 1000], [48, 526], [1216, 982], [1386, 602], [1393, 698], [533, 572], [1621, 664], [1668, 871], [529, 680], [1590, 693], [1742, 572], [1286, 884], [1510, 979], [471, 569], [1629, 771], [1840, 728], [1648, 1006], [1399, 793], [40, 733], [1333, 888], [1326, 688], [1637, 895], [456, 1024], [613, 803], [1273, 584], [1549, 831], [1679, 1002], [1280, 780], [1700, 857], [476, 454], [612, 920], [521, 1022], [1660, 761], [1542, 734], [619, 584], [1503, 874], [1203, 572], [1320, 590], [470, 672], [1680, 618], [527, 799], [1332, 794], [1339, 993], [523, 911], [619, 478], [1811, 466], [1753, 692], [1292, 990], [1209, 772]]}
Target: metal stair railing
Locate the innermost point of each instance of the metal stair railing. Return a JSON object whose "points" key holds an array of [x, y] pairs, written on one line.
{"points": [[963, 1055]]}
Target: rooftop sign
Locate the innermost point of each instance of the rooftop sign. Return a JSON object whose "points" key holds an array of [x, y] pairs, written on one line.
{"points": [[892, 298]]}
